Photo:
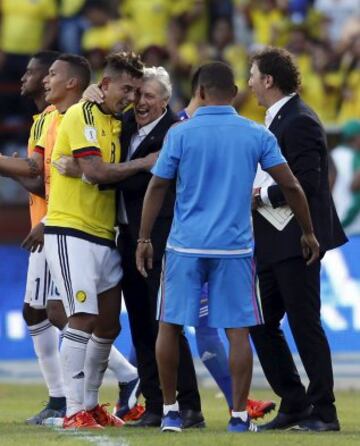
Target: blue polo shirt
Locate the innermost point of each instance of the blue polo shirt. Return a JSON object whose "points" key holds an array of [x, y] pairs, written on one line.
{"points": [[214, 157]]}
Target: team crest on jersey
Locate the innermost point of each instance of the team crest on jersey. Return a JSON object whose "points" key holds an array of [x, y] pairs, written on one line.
{"points": [[90, 134], [81, 296]]}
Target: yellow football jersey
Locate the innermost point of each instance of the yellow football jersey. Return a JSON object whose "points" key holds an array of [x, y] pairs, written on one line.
{"points": [[39, 127], [75, 207], [23, 24]]}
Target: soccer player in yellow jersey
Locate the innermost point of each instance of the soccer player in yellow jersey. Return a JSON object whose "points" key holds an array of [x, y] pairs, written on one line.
{"points": [[64, 84], [79, 238], [44, 335]]}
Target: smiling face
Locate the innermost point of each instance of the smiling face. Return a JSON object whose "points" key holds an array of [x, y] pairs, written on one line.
{"points": [[258, 83], [150, 102], [55, 83], [119, 91], [31, 82]]}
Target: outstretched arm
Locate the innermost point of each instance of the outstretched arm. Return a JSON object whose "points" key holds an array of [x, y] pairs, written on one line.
{"points": [[98, 172], [22, 167]]}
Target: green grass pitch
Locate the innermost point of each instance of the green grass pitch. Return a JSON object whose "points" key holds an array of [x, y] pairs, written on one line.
{"points": [[17, 402]]}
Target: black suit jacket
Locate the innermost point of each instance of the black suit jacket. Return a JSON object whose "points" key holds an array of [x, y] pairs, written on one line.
{"points": [[134, 187], [302, 140]]}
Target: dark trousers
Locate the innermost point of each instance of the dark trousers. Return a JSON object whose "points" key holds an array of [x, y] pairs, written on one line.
{"points": [[140, 297], [292, 288]]}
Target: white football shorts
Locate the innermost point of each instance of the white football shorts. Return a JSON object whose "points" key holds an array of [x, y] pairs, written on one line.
{"points": [[39, 285], [82, 270]]}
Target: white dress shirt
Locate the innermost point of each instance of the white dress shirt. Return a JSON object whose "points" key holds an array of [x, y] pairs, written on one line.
{"points": [[263, 179], [141, 134]]}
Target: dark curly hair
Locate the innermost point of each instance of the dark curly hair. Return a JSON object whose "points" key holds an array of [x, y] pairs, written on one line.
{"points": [[280, 64]]}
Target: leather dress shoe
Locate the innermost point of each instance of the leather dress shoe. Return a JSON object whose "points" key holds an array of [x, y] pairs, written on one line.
{"points": [[284, 421], [314, 423], [148, 419], [192, 418]]}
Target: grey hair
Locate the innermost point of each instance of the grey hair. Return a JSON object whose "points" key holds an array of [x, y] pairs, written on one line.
{"points": [[160, 75]]}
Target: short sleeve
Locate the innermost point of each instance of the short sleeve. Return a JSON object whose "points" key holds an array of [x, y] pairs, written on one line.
{"points": [[170, 154], [41, 128], [270, 154], [82, 134]]}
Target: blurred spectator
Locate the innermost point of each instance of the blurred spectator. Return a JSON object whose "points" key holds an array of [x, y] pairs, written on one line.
{"points": [[320, 85], [26, 27], [196, 26], [298, 9], [72, 25], [242, 30], [150, 19], [220, 9], [299, 45], [339, 12], [349, 104], [155, 56], [105, 33], [267, 19], [346, 191]]}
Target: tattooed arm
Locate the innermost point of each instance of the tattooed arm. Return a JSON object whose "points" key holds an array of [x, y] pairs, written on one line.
{"points": [[98, 172], [22, 167]]}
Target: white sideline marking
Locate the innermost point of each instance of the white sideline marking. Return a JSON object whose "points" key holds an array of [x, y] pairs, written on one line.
{"points": [[98, 440]]}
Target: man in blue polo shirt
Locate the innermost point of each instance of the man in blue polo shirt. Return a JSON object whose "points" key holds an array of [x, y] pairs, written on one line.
{"points": [[214, 158]]}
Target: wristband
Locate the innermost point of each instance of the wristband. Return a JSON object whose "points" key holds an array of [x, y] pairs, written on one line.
{"points": [[143, 240]]}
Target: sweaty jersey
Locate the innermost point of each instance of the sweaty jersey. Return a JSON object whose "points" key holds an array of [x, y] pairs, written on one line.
{"points": [[40, 124], [46, 145], [75, 207]]}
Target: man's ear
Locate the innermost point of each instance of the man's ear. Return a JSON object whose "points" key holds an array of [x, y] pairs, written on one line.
{"points": [[235, 91], [72, 83], [104, 83], [269, 81]]}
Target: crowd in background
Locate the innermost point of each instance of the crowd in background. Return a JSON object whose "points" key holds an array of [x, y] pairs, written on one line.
{"points": [[324, 35]]}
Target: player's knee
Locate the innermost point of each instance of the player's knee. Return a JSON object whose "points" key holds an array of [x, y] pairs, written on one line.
{"points": [[27, 314], [32, 316], [109, 331], [83, 321]]}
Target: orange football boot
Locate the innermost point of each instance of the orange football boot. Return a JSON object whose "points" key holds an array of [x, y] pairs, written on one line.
{"points": [[81, 420], [104, 418], [135, 413], [257, 408]]}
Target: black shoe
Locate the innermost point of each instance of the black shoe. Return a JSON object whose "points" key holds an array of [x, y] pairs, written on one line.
{"points": [[316, 424], [285, 420], [192, 418], [148, 419]]}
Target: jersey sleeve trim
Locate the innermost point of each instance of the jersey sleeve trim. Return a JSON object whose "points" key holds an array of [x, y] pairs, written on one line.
{"points": [[88, 115], [86, 151], [39, 127], [40, 150]]}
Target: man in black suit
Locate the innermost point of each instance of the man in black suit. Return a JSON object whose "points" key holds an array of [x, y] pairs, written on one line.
{"points": [[287, 285], [143, 133]]}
